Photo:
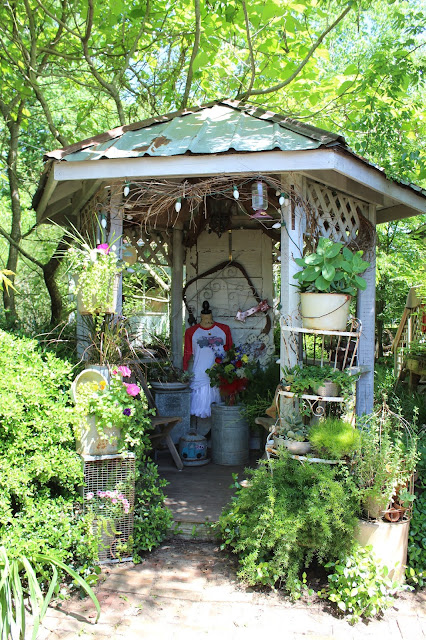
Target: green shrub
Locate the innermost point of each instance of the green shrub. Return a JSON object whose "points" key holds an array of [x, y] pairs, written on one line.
{"points": [[416, 560], [334, 437], [282, 521], [359, 586]]}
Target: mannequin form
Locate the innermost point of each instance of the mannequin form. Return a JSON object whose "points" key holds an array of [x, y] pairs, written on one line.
{"points": [[205, 342]]}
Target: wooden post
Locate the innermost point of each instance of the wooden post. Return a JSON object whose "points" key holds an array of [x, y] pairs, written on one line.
{"points": [[366, 304], [116, 231], [176, 297], [292, 221]]}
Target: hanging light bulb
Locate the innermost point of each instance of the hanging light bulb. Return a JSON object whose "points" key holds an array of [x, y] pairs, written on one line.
{"points": [[277, 192], [236, 193], [126, 189], [178, 205], [259, 201], [277, 225]]}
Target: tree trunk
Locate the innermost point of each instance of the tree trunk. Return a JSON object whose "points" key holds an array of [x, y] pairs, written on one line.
{"points": [[15, 232]]}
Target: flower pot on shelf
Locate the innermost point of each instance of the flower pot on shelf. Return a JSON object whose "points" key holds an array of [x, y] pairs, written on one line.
{"points": [[229, 435], [327, 389], [325, 311], [91, 442], [295, 447], [168, 386]]}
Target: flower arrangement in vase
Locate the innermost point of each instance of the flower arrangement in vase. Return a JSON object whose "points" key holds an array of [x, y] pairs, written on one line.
{"points": [[232, 373], [95, 270]]}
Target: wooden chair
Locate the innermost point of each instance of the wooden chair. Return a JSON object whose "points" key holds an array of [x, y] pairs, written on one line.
{"points": [[162, 425]]}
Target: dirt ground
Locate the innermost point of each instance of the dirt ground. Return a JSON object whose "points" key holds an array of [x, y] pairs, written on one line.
{"points": [[189, 590]]}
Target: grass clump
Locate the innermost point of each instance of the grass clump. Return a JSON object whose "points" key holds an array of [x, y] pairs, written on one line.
{"points": [[334, 437]]}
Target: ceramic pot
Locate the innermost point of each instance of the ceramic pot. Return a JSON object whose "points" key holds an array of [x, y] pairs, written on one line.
{"points": [[326, 311]]}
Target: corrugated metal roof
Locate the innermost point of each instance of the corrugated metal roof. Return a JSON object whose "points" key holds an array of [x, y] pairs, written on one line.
{"points": [[215, 128]]}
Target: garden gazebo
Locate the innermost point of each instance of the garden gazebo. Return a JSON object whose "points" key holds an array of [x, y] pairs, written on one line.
{"points": [[180, 185]]}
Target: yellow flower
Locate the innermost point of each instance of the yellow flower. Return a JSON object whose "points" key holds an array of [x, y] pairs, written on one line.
{"points": [[102, 385], [244, 358]]}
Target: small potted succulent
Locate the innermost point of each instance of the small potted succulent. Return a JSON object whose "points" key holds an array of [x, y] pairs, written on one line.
{"points": [[329, 277], [292, 433]]}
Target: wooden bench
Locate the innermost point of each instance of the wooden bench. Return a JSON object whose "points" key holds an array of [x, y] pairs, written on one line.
{"points": [[162, 425]]}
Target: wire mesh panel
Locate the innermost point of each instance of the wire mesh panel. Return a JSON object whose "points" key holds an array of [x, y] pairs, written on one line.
{"points": [[109, 494]]}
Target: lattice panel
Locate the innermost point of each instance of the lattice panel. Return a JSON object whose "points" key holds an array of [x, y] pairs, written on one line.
{"points": [[337, 215], [89, 215], [155, 249], [115, 527]]}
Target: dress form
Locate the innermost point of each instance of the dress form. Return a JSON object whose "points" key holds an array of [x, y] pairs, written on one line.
{"points": [[204, 342]]}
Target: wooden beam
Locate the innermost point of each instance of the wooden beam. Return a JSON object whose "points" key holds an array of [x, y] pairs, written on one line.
{"points": [[48, 190], [366, 312], [176, 297], [346, 185], [397, 212]]}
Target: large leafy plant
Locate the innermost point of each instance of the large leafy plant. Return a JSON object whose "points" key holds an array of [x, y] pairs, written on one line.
{"points": [[283, 520], [332, 268]]}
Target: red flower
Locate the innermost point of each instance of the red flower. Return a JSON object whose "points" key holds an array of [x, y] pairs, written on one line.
{"points": [[225, 348], [218, 360], [239, 364]]}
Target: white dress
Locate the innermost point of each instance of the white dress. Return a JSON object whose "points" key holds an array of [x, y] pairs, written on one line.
{"points": [[204, 345]]}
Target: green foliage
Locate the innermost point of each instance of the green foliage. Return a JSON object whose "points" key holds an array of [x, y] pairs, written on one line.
{"points": [[283, 520], [386, 458], [332, 268], [152, 520], [358, 586], [20, 584], [416, 559], [291, 426], [334, 438], [255, 404], [411, 406], [307, 378], [40, 468]]}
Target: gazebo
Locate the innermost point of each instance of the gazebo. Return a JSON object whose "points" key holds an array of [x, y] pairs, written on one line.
{"points": [[180, 186]]}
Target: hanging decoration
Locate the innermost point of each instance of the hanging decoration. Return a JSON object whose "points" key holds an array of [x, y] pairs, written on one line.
{"points": [[262, 306], [259, 201]]}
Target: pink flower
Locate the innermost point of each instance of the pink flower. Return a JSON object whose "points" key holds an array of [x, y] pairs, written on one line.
{"points": [[103, 248], [114, 501], [132, 389], [90, 495], [125, 371]]}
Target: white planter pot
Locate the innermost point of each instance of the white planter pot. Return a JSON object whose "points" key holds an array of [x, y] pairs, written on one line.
{"points": [[91, 443], [326, 311], [169, 386], [389, 542], [88, 375], [327, 390]]}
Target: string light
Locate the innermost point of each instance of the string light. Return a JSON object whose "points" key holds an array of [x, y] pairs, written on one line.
{"points": [[277, 225], [235, 193], [178, 205], [126, 189], [284, 200]]}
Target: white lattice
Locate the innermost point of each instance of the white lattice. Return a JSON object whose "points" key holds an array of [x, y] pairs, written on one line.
{"points": [[336, 214], [155, 250]]}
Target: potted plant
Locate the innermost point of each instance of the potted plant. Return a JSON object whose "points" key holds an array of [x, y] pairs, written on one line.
{"points": [[232, 374], [163, 376], [329, 277], [292, 433], [107, 416], [334, 438], [95, 272], [322, 381]]}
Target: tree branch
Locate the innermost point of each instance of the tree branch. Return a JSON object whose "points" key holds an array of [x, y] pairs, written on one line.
{"points": [[197, 37], [251, 54], [281, 85]]}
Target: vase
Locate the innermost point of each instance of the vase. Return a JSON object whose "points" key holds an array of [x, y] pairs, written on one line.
{"points": [[229, 435], [326, 311]]}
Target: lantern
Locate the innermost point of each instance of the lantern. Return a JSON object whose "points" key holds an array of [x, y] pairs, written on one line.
{"points": [[259, 201]]}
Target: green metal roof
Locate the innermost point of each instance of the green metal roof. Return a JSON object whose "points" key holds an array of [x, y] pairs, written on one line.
{"points": [[215, 128]]}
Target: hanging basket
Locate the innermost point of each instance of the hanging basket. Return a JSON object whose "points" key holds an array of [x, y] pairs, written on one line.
{"points": [[325, 311], [89, 304]]}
